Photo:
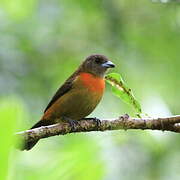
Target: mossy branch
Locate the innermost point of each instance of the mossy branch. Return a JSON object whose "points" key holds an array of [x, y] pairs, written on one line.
{"points": [[122, 123]]}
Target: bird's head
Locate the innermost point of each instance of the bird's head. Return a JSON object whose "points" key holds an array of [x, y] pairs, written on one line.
{"points": [[97, 65]]}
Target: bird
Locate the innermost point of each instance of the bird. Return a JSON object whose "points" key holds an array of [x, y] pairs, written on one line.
{"points": [[78, 96]]}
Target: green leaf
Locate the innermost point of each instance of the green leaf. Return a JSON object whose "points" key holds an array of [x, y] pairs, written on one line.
{"points": [[121, 90]]}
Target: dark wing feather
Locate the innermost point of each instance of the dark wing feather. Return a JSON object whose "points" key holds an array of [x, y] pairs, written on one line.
{"points": [[62, 90]]}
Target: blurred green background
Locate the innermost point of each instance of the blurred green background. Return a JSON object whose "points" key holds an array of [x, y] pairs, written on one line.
{"points": [[43, 41]]}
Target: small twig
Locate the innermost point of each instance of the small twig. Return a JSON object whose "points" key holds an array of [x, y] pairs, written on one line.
{"points": [[123, 122]]}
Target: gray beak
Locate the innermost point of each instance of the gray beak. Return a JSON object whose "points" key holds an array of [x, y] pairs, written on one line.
{"points": [[108, 64]]}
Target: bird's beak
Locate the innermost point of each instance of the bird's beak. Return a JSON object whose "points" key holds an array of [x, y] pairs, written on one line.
{"points": [[108, 64]]}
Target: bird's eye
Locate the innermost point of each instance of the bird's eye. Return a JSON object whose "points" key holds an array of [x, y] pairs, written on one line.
{"points": [[98, 61]]}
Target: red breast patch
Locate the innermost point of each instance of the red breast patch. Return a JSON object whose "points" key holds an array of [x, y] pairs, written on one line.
{"points": [[92, 82]]}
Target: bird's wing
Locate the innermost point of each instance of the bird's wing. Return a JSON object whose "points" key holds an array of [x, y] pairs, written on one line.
{"points": [[67, 86]]}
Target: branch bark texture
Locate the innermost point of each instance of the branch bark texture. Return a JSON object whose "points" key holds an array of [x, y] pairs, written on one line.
{"points": [[122, 123]]}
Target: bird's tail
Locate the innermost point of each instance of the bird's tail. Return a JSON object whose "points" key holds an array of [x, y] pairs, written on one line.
{"points": [[29, 145]]}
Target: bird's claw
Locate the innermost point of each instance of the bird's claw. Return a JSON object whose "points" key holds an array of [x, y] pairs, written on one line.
{"points": [[96, 120], [73, 124]]}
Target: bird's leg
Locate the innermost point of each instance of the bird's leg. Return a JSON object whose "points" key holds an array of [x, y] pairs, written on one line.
{"points": [[72, 122], [96, 120]]}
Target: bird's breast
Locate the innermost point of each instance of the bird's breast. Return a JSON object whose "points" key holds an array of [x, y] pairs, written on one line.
{"points": [[80, 101], [92, 83]]}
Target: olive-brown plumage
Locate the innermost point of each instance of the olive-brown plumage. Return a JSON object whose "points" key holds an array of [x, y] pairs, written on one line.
{"points": [[78, 96]]}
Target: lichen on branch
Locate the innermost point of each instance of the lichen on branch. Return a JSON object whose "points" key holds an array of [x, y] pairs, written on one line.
{"points": [[122, 123]]}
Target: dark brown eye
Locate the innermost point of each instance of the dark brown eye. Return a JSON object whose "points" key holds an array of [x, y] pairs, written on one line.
{"points": [[98, 61]]}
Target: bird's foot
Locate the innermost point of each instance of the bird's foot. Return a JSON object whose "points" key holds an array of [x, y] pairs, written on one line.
{"points": [[73, 123], [96, 120]]}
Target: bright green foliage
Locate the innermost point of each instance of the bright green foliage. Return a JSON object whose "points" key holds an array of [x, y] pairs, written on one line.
{"points": [[43, 41], [120, 89], [78, 160], [10, 112], [18, 9], [77, 157]]}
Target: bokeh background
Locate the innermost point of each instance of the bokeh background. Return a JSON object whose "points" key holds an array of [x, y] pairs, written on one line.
{"points": [[43, 41]]}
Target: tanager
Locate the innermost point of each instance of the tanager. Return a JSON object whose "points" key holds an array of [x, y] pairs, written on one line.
{"points": [[78, 96]]}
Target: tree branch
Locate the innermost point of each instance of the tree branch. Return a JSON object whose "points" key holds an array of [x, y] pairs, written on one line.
{"points": [[124, 122]]}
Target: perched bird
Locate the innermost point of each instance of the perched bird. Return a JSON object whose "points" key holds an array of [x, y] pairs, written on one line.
{"points": [[78, 96]]}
